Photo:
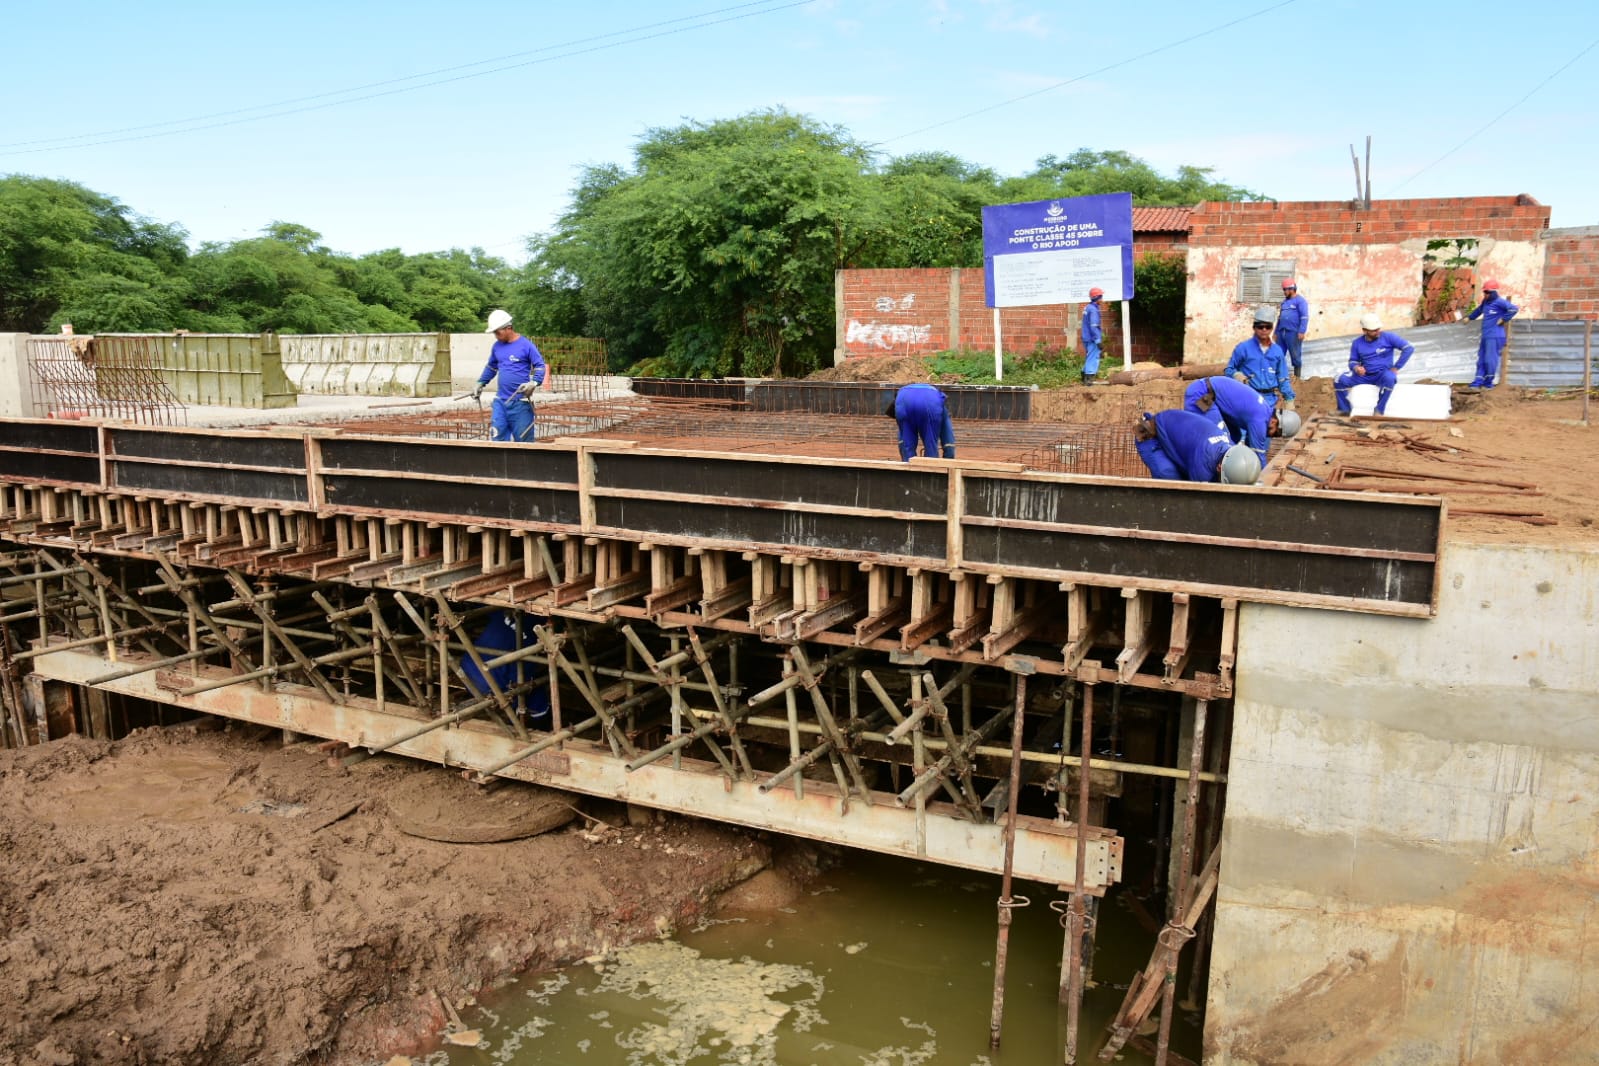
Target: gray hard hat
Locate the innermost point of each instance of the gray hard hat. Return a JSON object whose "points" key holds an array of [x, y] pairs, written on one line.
{"points": [[1266, 313], [1288, 423], [1240, 466]]}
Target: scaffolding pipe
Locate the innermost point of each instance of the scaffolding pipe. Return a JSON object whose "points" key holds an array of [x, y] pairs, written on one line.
{"points": [[1076, 917], [1007, 902]]}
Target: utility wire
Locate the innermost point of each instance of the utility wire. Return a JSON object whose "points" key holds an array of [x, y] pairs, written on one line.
{"points": [[1089, 74], [188, 126], [1487, 125]]}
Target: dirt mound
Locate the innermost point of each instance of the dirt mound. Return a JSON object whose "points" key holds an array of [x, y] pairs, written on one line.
{"points": [[183, 897]]}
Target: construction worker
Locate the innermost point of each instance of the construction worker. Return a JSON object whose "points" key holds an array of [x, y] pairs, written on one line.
{"points": [[1261, 363], [1240, 412], [922, 413], [1183, 446], [499, 636], [1494, 311], [1372, 361], [521, 369], [1093, 335], [1293, 319]]}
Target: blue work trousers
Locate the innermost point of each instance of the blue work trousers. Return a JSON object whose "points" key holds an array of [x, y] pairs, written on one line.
{"points": [[1160, 463], [1488, 350], [1289, 341], [512, 420], [1383, 379]]}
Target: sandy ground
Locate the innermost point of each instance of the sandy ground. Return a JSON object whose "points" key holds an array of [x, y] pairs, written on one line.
{"points": [[187, 896]]}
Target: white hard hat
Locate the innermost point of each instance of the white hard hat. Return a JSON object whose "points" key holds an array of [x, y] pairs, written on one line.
{"points": [[1370, 322], [498, 320], [1240, 466]]}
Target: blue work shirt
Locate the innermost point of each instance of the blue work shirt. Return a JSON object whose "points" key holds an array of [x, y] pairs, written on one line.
{"points": [[515, 362], [1378, 355], [1264, 369], [1294, 315], [1244, 413], [1193, 442], [1495, 313], [1092, 332]]}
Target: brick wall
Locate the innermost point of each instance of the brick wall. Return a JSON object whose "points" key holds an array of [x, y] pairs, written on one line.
{"points": [[1571, 273], [909, 312], [1351, 261], [1512, 218]]}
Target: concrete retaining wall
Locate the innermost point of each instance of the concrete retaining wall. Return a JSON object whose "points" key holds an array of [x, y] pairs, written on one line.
{"points": [[1411, 863]]}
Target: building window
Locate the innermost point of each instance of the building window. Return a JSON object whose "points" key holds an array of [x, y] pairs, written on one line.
{"points": [[1261, 280]]}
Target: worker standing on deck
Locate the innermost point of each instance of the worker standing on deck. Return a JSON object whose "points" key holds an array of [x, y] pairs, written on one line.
{"points": [[1240, 412], [1494, 311], [521, 369], [1293, 319], [922, 413], [1261, 363], [1093, 335], [1183, 446], [1372, 361]]}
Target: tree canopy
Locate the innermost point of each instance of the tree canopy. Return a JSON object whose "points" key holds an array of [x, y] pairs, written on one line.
{"points": [[712, 252]]}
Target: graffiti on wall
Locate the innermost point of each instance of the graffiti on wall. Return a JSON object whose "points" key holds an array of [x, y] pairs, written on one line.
{"points": [[885, 335], [888, 336]]}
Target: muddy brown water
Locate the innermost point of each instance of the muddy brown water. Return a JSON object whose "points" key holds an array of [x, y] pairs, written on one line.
{"points": [[881, 962]]}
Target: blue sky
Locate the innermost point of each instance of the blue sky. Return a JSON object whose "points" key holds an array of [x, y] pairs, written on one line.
{"points": [[476, 117]]}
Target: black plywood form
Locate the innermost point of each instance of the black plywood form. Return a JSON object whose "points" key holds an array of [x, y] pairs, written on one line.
{"points": [[228, 483], [882, 488], [42, 466], [1322, 519], [844, 536], [515, 463], [245, 450], [50, 436], [448, 500], [989, 402], [1343, 575]]}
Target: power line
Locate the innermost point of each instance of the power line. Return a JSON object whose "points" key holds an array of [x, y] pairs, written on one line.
{"points": [[1485, 127], [201, 122], [1089, 74]]}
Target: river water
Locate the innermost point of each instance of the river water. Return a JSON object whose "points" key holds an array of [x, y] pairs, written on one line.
{"points": [[881, 962]]}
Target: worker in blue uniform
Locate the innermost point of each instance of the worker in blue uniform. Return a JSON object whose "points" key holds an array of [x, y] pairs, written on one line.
{"points": [[1261, 363], [1092, 334], [1494, 311], [1375, 358], [501, 634], [521, 369], [922, 413], [1183, 446], [1293, 320], [1240, 412]]}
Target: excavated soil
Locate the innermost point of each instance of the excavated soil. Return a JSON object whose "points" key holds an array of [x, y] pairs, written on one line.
{"points": [[184, 896]]}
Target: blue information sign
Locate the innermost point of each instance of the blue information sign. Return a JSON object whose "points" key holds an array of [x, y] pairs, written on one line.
{"points": [[1054, 251]]}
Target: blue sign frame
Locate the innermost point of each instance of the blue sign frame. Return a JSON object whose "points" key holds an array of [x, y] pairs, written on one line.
{"points": [[1054, 251]]}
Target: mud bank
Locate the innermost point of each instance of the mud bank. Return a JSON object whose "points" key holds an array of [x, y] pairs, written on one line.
{"points": [[185, 896]]}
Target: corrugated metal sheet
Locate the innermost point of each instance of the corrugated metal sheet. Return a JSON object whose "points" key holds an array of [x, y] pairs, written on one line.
{"points": [[1544, 353]]}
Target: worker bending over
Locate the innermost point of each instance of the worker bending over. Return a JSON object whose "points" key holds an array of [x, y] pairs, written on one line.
{"points": [[1183, 446], [520, 368], [1261, 363], [1239, 411], [1494, 311], [922, 413], [1372, 361]]}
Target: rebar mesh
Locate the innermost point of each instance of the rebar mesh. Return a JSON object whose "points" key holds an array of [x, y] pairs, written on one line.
{"points": [[733, 426], [82, 377], [578, 365]]}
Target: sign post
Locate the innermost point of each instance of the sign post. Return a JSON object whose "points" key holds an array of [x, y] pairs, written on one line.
{"points": [[1054, 251]]}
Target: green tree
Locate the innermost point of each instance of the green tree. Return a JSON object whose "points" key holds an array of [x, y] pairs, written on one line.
{"points": [[716, 252], [1086, 172], [70, 254]]}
